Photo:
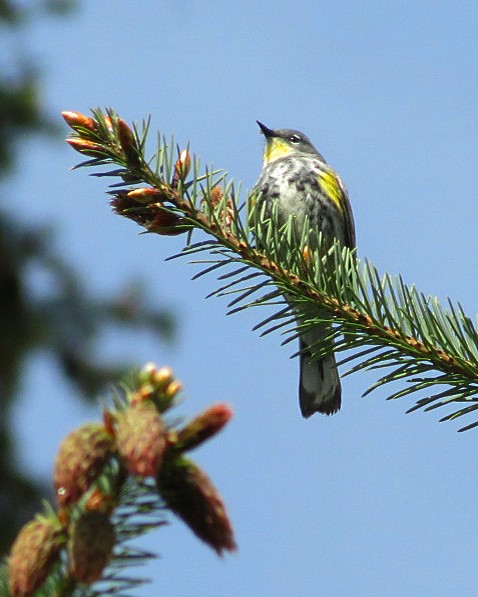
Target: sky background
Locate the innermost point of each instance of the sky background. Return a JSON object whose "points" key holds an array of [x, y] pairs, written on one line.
{"points": [[370, 502]]}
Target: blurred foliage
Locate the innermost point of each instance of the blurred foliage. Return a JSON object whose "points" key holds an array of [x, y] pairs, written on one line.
{"points": [[65, 321], [15, 13]]}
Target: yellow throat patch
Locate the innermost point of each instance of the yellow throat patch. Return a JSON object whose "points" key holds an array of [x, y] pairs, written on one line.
{"points": [[276, 148]]}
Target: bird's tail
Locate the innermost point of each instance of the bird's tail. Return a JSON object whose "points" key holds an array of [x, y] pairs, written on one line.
{"points": [[319, 389]]}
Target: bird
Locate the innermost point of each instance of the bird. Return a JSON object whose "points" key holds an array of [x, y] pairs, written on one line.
{"points": [[297, 183]]}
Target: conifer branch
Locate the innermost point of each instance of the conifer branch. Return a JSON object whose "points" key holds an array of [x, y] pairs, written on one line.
{"points": [[386, 324], [115, 481]]}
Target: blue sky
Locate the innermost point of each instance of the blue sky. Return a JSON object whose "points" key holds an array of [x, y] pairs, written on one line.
{"points": [[369, 502]]}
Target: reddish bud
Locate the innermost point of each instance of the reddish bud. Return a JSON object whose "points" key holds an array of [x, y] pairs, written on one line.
{"points": [[148, 373], [216, 196], [125, 133], [90, 546], [204, 426], [123, 207], [157, 384], [33, 554], [80, 460], [109, 123], [216, 199], [77, 121], [86, 147], [173, 389], [145, 195], [308, 256], [181, 167], [166, 223], [161, 378], [128, 143], [189, 493], [141, 439]]}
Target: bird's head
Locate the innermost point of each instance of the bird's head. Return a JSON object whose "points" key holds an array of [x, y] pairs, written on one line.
{"points": [[283, 142]]}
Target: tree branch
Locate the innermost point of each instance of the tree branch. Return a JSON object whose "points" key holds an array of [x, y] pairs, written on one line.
{"points": [[402, 330]]}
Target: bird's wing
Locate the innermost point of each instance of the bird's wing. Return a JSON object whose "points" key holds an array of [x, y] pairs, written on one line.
{"points": [[332, 184], [348, 216]]}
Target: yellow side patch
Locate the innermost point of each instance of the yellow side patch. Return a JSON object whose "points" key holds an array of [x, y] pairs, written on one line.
{"points": [[275, 149], [331, 186]]}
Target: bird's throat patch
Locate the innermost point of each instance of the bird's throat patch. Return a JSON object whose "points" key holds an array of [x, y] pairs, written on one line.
{"points": [[275, 148]]}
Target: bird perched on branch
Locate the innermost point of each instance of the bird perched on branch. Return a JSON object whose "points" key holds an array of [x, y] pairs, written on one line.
{"points": [[297, 181]]}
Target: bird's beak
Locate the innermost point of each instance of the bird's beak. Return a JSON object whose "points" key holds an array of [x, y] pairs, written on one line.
{"points": [[266, 131]]}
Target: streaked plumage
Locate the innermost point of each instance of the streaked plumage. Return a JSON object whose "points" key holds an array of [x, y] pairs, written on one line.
{"points": [[297, 179]]}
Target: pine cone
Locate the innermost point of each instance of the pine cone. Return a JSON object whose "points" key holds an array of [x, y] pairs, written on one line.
{"points": [[189, 493], [90, 546], [33, 554], [204, 426], [141, 439], [81, 457]]}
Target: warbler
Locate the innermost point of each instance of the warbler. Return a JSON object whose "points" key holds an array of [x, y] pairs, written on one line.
{"points": [[297, 181]]}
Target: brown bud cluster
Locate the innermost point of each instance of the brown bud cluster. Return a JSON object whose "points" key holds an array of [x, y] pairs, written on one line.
{"points": [[133, 440], [154, 216], [33, 554], [145, 195], [129, 144], [158, 377], [90, 546], [158, 385], [204, 426], [80, 459], [78, 121], [182, 168], [216, 199], [167, 223], [86, 147], [189, 493], [141, 439]]}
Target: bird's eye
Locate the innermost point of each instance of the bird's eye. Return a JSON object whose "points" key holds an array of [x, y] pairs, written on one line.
{"points": [[294, 139]]}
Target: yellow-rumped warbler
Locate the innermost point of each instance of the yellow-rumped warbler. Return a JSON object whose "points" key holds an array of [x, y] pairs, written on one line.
{"points": [[298, 182]]}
